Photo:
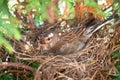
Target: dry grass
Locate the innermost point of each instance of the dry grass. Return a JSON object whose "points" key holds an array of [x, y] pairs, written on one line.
{"points": [[92, 63]]}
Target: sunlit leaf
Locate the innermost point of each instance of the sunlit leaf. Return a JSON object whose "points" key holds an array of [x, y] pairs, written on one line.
{"points": [[6, 44], [91, 3], [4, 7]]}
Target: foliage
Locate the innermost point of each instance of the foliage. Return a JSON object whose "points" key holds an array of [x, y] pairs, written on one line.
{"points": [[116, 56], [8, 26], [7, 77]]}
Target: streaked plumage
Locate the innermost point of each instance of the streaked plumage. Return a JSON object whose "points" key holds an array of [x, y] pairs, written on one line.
{"points": [[72, 41]]}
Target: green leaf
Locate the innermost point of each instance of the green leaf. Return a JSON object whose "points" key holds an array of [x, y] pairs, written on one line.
{"points": [[117, 77], [6, 44], [117, 64], [4, 7], [91, 3], [0, 61], [100, 12], [36, 65], [34, 4], [11, 31], [13, 59], [7, 77], [116, 55]]}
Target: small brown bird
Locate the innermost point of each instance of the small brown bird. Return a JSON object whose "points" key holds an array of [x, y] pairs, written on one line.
{"points": [[72, 41]]}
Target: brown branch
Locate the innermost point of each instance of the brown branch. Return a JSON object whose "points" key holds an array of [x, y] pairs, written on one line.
{"points": [[18, 1], [108, 6], [18, 65], [30, 16]]}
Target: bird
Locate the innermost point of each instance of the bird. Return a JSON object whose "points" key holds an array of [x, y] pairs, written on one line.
{"points": [[70, 41]]}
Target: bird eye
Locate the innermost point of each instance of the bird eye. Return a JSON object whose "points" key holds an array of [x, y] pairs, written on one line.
{"points": [[48, 39]]}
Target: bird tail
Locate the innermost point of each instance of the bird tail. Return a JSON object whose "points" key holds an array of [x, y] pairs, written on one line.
{"points": [[96, 27]]}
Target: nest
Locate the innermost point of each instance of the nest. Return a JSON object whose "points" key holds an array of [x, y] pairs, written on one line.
{"points": [[85, 65], [92, 63]]}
